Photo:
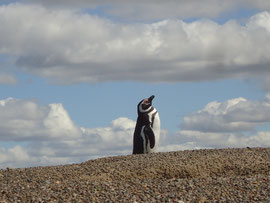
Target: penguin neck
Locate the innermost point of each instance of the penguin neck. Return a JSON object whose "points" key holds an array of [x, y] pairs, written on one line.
{"points": [[147, 111]]}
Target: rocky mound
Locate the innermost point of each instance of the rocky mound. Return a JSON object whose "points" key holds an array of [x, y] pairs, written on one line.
{"points": [[241, 175]]}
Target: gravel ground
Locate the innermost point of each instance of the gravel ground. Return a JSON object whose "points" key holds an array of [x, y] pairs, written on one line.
{"points": [[225, 175]]}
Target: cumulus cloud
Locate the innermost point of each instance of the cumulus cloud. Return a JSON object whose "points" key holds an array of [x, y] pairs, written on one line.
{"points": [[27, 120], [72, 47], [46, 135], [230, 116], [232, 123], [117, 138], [233, 115], [15, 157]]}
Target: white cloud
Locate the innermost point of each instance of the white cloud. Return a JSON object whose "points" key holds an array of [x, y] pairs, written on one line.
{"points": [[59, 123], [232, 123], [108, 139], [46, 135], [27, 120], [15, 157], [115, 139], [71, 47], [261, 20], [201, 140], [230, 116]]}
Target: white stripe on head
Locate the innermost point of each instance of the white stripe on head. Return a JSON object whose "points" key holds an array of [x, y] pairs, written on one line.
{"points": [[143, 110]]}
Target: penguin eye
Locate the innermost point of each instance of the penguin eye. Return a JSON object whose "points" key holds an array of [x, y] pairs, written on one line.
{"points": [[146, 101]]}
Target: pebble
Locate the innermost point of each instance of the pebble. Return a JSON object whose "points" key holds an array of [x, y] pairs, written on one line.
{"points": [[224, 175]]}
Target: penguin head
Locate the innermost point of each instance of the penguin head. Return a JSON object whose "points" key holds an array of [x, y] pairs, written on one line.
{"points": [[145, 105]]}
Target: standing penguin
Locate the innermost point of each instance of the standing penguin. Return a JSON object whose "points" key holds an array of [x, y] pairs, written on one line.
{"points": [[147, 130]]}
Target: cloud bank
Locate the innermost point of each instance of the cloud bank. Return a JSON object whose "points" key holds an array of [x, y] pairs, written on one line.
{"points": [[233, 123], [46, 135], [65, 46], [27, 120]]}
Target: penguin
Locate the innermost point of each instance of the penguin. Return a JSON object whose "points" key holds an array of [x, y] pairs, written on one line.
{"points": [[147, 129]]}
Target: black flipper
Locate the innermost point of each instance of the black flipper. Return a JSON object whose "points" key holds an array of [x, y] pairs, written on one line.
{"points": [[150, 135]]}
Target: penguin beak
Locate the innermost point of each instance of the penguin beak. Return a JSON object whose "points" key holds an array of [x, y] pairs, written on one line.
{"points": [[151, 98]]}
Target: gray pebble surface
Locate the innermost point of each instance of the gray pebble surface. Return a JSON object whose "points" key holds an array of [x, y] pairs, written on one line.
{"points": [[209, 175]]}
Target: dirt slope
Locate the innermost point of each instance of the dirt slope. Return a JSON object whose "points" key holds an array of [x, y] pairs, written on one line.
{"points": [[241, 175]]}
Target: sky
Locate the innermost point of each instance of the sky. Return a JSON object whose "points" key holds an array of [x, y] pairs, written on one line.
{"points": [[73, 72]]}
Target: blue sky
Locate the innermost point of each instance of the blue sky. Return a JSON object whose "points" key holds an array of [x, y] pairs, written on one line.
{"points": [[71, 75]]}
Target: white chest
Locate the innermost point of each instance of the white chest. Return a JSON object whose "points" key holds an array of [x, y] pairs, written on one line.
{"points": [[155, 124]]}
